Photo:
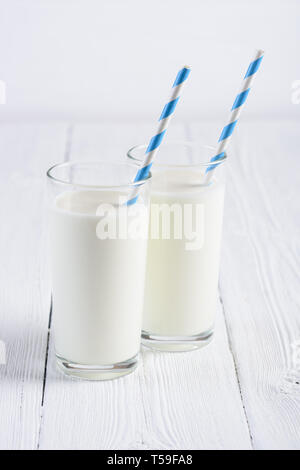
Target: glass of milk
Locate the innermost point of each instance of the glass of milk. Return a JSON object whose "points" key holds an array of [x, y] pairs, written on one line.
{"points": [[183, 248], [98, 249]]}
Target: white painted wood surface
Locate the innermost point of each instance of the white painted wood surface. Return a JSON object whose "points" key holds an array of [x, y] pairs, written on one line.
{"points": [[26, 151], [242, 391]]}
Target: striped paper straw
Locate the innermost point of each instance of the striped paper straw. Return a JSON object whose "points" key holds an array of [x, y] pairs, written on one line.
{"points": [[156, 140], [235, 112]]}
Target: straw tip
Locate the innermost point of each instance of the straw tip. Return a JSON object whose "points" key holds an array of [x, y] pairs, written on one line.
{"points": [[188, 67], [260, 52]]}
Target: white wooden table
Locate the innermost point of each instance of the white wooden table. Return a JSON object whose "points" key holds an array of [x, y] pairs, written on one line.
{"points": [[242, 391]]}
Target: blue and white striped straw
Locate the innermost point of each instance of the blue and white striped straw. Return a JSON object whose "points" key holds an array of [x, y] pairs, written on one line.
{"points": [[156, 140], [235, 112]]}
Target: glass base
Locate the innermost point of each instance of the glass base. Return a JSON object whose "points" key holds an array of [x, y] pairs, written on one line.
{"points": [[176, 343], [97, 372]]}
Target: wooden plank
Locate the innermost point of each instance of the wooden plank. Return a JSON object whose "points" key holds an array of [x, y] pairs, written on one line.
{"points": [[173, 401], [26, 151], [260, 277]]}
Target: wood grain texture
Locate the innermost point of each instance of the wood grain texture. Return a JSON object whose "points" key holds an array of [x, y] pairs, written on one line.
{"points": [[26, 151], [173, 401], [260, 276]]}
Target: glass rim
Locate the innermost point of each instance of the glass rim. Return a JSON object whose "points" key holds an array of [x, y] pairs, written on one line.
{"points": [[204, 164], [54, 179]]}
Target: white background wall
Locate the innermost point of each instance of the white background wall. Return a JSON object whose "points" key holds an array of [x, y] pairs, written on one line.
{"points": [[108, 59]]}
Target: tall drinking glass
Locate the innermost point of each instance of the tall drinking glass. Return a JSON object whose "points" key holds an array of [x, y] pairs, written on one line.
{"points": [[98, 250], [184, 246]]}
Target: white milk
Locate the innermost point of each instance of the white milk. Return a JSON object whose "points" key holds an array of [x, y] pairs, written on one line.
{"points": [[98, 285], [181, 284]]}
